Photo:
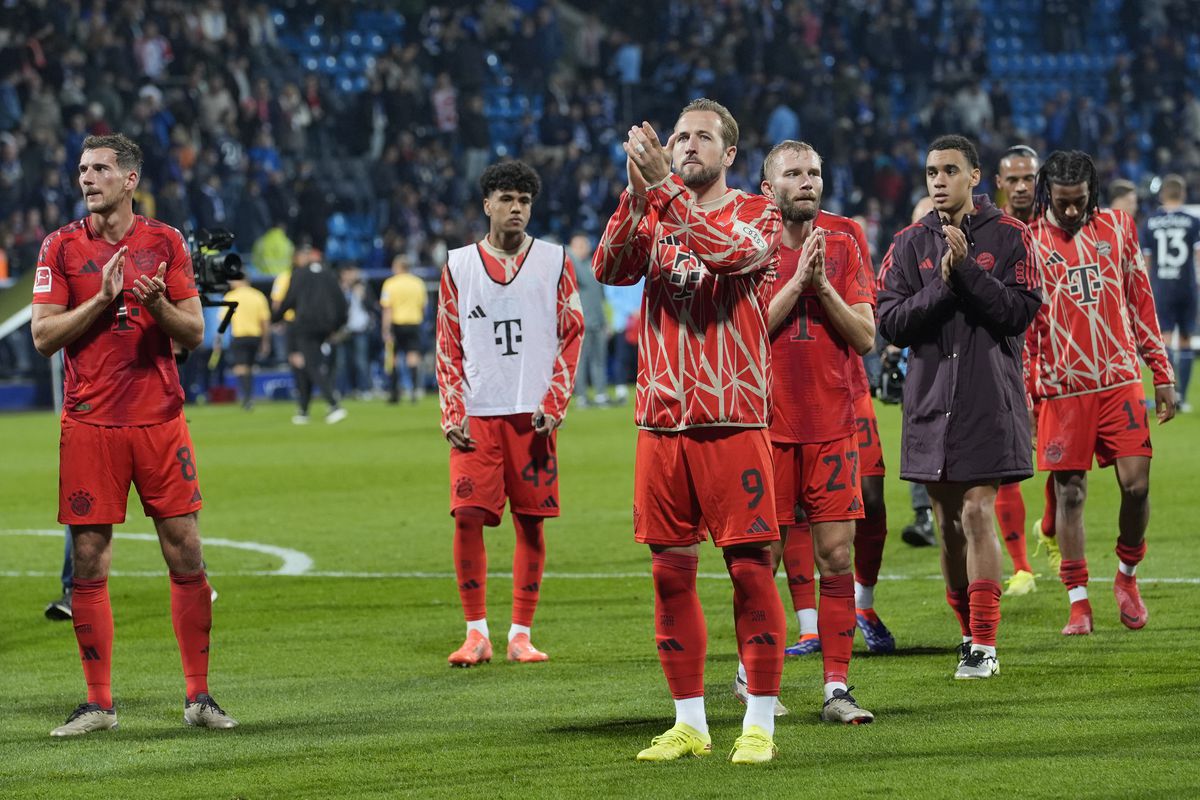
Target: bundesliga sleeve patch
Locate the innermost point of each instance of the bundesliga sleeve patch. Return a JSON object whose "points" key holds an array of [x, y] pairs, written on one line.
{"points": [[42, 281]]}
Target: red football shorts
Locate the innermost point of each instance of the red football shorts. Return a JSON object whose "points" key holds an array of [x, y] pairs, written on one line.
{"points": [[821, 478], [870, 449], [510, 461], [704, 482], [96, 464], [1109, 424]]}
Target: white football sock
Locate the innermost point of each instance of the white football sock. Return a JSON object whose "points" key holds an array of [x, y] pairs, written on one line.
{"points": [[760, 711], [1077, 594], [1126, 569], [515, 629], [691, 712], [478, 625], [831, 686], [807, 617], [864, 596]]}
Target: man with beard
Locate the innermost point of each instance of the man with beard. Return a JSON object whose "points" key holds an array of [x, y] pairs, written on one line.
{"points": [[1016, 174], [1083, 351], [956, 289], [820, 319], [114, 290], [703, 465]]}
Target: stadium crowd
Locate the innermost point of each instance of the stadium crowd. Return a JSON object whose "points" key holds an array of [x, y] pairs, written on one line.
{"points": [[273, 120]]}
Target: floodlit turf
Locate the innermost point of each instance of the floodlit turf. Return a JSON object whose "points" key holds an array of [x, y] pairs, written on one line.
{"points": [[339, 677]]}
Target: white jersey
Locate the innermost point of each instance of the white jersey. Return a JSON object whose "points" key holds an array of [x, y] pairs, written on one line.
{"points": [[509, 330]]}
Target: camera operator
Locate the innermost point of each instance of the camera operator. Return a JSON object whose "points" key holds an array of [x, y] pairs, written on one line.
{"points": [[321, 311], [113, 291]]}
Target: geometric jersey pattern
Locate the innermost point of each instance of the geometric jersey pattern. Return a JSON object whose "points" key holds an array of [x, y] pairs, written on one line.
{"points": [[1098, 311], [704, 357]]}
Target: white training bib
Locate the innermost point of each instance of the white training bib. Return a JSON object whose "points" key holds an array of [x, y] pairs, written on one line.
{"points": [[509, 331]]}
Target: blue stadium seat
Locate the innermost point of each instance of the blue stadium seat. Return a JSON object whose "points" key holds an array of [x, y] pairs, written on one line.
{"points": [[338, 225]]}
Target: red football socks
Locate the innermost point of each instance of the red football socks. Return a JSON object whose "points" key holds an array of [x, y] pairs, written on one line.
{"points": [[470, 562], [92, 618], [870, 534], [1073, 573], [679, 627], [529, 559], [759, 619], [798, 563], [836, 625], [985, 611], [1131, 555], [1010, 510], [960, 602], [191, 614]]}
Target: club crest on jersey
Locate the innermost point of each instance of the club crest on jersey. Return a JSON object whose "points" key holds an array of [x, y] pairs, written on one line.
{"points": [[464, 487], [42, 280], [145, 261], [986, 260], [1104, 248], [81, 502], [1054, 452]]}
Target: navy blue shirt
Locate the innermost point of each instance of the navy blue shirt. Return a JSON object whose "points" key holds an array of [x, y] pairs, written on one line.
{"points": [[1171, 238]]}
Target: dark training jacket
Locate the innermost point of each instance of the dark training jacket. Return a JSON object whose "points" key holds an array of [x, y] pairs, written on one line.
{"points": [[316, 296], [965, 414]]}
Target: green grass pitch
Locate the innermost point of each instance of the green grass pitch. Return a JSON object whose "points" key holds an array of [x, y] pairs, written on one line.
{"points": [[339, 676]]}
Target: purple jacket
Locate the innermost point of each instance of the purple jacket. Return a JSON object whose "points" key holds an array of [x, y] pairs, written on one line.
{"points": [[965, 416]]}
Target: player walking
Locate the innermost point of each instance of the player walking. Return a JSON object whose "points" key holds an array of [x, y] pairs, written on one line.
{"points": [[1172, 242], [955, 288], [1083, 353], [509, 326], [703, 465]]}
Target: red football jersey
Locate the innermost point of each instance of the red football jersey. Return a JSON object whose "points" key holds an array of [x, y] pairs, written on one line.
{"points": [[813, 396], [121, 371], [703, 353], [1098, 314], [859, 385]]}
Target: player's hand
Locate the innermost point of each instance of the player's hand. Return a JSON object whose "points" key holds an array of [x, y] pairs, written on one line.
{"points": [[151, 291], [1033, 426], [543, 423], [819, 280], [956, 242], [112, 277], [460, 438], [1165, 403], [648, 154]]}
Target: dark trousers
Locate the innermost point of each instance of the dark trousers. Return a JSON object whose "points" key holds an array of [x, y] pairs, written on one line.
{"points": [[318, 369]]}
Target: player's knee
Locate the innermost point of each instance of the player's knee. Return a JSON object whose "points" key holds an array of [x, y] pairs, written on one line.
{"points": [[1071, 495], [1135, 488], [977, 517], [834, 558]]}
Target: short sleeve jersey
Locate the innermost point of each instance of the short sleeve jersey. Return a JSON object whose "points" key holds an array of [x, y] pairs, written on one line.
{"points": [[813, 393], [121, 371], [1171, 238]]}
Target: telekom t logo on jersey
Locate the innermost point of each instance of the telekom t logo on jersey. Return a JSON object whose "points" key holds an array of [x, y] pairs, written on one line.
{"points": [[510, 337], [1084, 283]]}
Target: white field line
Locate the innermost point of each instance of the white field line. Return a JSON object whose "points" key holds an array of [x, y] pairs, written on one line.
{"points": [[294, 561], [298, 564]]}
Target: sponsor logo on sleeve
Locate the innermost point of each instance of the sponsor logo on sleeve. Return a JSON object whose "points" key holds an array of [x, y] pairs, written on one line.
{"points": [[751, 233], [42, 281]]}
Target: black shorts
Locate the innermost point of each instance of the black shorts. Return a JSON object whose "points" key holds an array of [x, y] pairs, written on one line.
{"points": [[289, 338], [407, 338], [243, 351]]}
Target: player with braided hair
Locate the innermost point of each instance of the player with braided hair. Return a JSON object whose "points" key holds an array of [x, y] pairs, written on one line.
{"points": [[1083, 349]]}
